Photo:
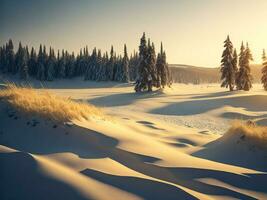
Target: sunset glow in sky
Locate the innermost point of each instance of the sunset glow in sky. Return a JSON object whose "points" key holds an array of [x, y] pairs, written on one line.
{"points": [[192, 31]]}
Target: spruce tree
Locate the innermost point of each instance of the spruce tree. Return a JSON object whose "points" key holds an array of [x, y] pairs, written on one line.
{"points": [[45, 60], [23, 67], [125, 66], [235, 62], [32, 63], [244, 74], [40, 65], [92, 62], [264, 71], [241, 64], [133, 66], [71, 65], [51, 65], [10, 56], [2, 59], [151, 62], [143, 71], [162, 70], [62, 66], [164, 73], [100, 66], [19, 59], [110, 65], [227, 68]]}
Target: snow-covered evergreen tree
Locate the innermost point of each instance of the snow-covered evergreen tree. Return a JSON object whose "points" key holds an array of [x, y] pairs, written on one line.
{"points": [[162, 70], [235, 62], [91, 66], [19, 59], [40, 65], [241, 64], [151, 62], [164, 73], [2, 58], [227, 68], [32, 63], [62, 66], [23, 67], [244, 73], [133, 66], [51, 63], [264, 71], [125, 66], [10, 57], [71, 65], [111, 65], [143, 71], [100, 66]]}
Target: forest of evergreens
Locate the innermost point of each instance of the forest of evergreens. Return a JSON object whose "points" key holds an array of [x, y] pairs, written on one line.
{"points": [[146, 68]]}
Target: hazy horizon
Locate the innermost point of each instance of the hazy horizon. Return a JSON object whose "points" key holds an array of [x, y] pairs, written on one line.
{"points": [[192, 32]]}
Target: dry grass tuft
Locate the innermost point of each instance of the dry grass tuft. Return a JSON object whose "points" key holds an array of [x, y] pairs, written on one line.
{"points": [[45, 104], [250, 132]]}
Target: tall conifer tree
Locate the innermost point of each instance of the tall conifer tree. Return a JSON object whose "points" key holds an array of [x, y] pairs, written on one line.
{"points": [[143, 71], [227, 68], [125, 66], [244, 74], [264, 71]]}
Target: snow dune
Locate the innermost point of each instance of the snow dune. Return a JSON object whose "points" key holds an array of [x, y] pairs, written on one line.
{"points": [[163, 145]]}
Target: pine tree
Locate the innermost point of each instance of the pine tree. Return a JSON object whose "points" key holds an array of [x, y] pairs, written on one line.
{"points": [[103, 72], [51, 65], [10, 56], [19, 59], [40, 65], [2, 59], [110, 65], [234, 63], [164, 73], [244, 74], [125, 66], [62, 66], [32, 63], [143, 72], [71, 65], [100, 66], [45, 61], [162, 70], [151, 62], [23, 67], [133, 66], [264, 71], [227, 68], [91, 66], [241, 64]]}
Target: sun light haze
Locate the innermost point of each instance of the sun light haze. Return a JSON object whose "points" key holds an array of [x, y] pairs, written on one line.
{"points": [[192, 31]]}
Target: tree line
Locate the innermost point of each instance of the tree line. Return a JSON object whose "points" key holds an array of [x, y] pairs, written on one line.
{"points": [[235, 69], [47, 65]]}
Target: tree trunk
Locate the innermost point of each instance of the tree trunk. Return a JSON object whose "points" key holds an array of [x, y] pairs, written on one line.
{"points": [[231, 88]]}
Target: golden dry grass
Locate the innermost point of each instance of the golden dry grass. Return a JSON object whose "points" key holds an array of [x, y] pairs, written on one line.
{"points": [[250, 132], [45, 104]]}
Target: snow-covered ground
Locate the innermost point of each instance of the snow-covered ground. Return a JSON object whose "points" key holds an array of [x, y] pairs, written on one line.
{"points": [[155, 146]]}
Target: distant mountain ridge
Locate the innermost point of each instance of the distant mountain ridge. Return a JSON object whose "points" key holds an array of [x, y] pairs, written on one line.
{"points": [[183, 73]]}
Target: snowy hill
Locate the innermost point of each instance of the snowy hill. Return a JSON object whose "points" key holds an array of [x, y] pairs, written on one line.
{"points": [[159, 145], [196, 75]]}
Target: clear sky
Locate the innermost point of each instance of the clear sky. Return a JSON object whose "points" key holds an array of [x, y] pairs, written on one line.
{"points": [[192, 31]]}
